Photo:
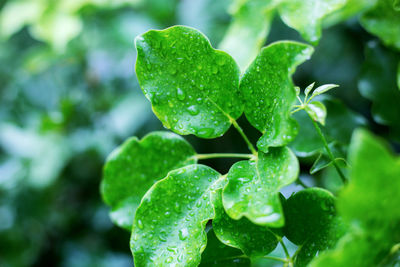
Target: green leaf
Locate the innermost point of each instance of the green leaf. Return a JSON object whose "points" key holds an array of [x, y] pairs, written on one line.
{"points": [[192, 87], [378, 84], [169, 224], [253, 186], [269, 94], [248, 30], [350, 9], [221, 255], [135, 166], [369, 204], [311, 223], [323, 89], [307, 16], [383, 21], [396, 5], [308, 89], [317, 111], [254, 240]]}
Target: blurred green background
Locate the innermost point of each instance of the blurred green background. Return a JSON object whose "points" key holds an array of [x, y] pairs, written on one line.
{"points": [[69, 96]]}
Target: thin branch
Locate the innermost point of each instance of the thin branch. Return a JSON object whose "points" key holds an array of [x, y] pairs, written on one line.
{"points": [[223, 155], [240, 130]]}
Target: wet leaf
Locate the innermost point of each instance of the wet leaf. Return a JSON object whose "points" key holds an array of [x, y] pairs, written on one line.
{"points": [[383, 21], [306, 16], [323, 89], [221, 255], [169, 224], [254, 240], [369, 204], [311, 223], [249, 29], [308, 89], [317, 111], [266, 85], [135, 166], [192, 87], [253, 186]]}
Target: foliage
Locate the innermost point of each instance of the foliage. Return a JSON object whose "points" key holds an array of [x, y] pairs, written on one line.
{"points": [[69, 96], [195, 89]]}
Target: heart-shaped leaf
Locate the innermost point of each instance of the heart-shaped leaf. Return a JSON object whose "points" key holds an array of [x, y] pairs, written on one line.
{"points": [[254, 240], [311, 223], [192, 87], [253, 186], [135, 166], [266, 85], [168, 228]]}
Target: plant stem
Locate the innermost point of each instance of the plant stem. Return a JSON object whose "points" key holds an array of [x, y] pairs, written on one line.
{"points": [[285, 249], [223, 155], [275, 258], [249, 144], [328, 150], [300, 182]]}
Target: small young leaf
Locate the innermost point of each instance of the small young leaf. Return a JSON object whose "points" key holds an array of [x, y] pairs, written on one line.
{"points": [[317, 111], [135, 166], [168, 228], [369, 204], [254, 240], [324, 161], [383, 21], [192, 87], [311, 223], [308, 89], [220, 255], [297, 90], [269, 94], [324, 88], [307, 16], [253, 186]]}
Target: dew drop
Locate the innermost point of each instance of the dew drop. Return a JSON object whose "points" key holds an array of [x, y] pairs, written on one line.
{"points": [[140, 224], [180, 94], [193, 110], [183, 233]]}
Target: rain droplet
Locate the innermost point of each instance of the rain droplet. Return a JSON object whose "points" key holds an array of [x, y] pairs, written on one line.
{"points": [[140, 224], [183, 233], [193, 110], [180, 94]]}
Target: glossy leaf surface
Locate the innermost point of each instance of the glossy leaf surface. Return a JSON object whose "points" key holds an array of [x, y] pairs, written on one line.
{"points": [[192, 87], [266, 85], [135, 166], [253, 186], [311, 222], [169, 224], [306, 16], [369, 204], [383, 21], [254, 240], [317, 111]]}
